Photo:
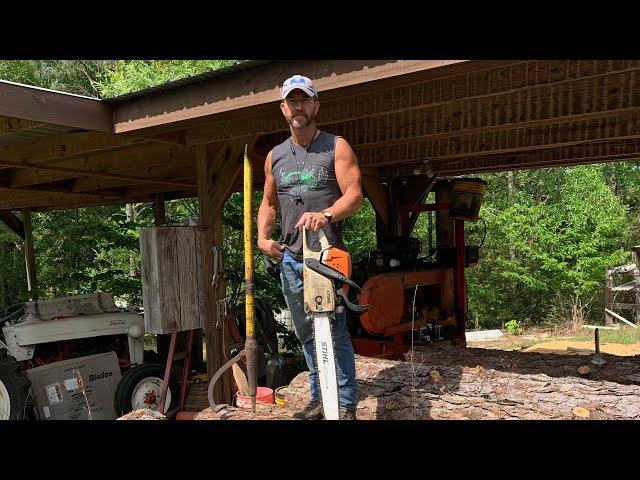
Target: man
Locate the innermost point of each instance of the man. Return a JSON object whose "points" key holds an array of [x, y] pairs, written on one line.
{"points": [[315, 178]]}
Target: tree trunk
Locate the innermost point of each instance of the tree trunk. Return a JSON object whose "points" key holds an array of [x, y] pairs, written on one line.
{"points": [[452, 383], [131, 216]]}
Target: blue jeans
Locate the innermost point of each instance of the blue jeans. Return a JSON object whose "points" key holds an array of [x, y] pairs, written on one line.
{"points": [[292, 288]]}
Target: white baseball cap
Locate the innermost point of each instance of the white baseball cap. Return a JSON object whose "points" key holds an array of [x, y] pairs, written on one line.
{"points": [[299, 82]]}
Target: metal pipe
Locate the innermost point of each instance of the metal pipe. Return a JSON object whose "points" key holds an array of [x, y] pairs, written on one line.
{"points": [[185, 372], [167, 371], [250, 346]]}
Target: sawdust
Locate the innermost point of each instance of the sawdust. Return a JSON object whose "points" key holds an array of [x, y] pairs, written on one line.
{"points": [[143, 414], [563, 347]]}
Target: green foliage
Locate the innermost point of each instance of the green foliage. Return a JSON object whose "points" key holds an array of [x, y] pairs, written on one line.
{"points": [[514, 327], [124, 76], [72, 76], [547, 246]]}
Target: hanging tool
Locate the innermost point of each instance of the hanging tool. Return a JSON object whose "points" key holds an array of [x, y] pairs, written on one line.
{"points": [[326, 281], [250, 346]]}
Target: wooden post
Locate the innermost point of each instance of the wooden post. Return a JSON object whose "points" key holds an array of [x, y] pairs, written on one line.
{"points": [[162, 340], [29, 255], [608, 296], [158, 209], [445, 227], [217, 169]]}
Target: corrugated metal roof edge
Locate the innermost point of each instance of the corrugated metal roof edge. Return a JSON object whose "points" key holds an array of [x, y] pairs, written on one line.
{"points": [[246, 65]]}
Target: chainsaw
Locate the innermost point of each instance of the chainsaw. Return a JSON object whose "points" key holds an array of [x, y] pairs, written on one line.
{"points": [[326, 283]]}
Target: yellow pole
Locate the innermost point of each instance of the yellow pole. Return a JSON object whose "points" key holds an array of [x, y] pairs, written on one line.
{"points": [[250, 342]]}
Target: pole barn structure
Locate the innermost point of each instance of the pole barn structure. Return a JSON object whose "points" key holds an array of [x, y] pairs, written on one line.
{"points": [[416, 118]]}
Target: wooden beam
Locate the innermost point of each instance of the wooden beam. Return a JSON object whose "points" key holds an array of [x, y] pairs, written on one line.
{"points": [[47, 106], [377, 194], [88, 173], [127, 160], [29, 255], [254, 87], [71, 205], [13, 199], [67, 146], [13, 222], [14, 125], [211, 222], [158, 209]]}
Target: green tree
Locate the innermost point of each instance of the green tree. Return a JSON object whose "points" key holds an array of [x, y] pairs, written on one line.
{"points": [[72, 76], [124, 76]]}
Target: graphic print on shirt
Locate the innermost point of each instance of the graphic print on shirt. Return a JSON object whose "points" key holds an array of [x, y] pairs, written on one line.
{"points": [[298, 182]]}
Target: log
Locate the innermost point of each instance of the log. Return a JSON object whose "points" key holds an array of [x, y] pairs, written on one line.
{"points": [[448, 382]]}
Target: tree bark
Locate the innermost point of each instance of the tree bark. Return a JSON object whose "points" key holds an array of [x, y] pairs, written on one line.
{"points": [[446, 382], [131, 217]]}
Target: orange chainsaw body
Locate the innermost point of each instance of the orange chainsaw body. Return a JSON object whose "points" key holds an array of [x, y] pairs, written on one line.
{"points": [[339, 260]]}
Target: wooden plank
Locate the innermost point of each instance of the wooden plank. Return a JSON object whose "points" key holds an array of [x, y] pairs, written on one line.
{"points": [[168, 280], [255, 87], [626, 306], [622, 319], [377, 194], [150, 283], [187, 284], [627, 287], [125, 160], [88, 173], [29, 255], [47, 106], [170, 175], [14, 125], [67, 146], [13, 222]]}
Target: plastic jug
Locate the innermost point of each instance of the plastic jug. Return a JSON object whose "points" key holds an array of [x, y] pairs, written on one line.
{"points": [[276, 375]]}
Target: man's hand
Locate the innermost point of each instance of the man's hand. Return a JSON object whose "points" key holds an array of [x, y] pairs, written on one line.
{"points": [[312, 221], [271, 248]]}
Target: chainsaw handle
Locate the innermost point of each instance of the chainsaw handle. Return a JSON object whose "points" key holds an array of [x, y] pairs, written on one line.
{"points": [[331, 273], [359, 309]]}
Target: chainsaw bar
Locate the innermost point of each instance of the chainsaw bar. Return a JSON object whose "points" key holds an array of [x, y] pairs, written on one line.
{"points": [[326, 365]]}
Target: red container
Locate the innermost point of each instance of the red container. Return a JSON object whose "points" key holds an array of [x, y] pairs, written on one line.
{"points": [[263, 395]]}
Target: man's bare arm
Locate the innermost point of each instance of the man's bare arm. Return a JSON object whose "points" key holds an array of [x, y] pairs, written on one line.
{"points": [[267, 214], [348, 176]]}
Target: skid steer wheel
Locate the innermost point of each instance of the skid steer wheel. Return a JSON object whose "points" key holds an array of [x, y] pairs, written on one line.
{"points": [[141, 387], [15, 401]]}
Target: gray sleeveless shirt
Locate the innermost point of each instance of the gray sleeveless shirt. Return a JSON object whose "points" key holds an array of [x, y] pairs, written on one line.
{"points": [[308, 175]]}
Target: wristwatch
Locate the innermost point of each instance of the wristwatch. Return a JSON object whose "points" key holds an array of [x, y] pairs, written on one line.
{"points": [[327, 214]]}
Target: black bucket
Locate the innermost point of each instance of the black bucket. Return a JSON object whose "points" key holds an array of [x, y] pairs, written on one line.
{"points": [[467, 198]]}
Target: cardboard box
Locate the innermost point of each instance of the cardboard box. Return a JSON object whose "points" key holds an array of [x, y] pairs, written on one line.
{"points": [[59, 393]]}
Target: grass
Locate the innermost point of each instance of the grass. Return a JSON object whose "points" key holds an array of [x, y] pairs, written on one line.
{"points": [[625, 335]]}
